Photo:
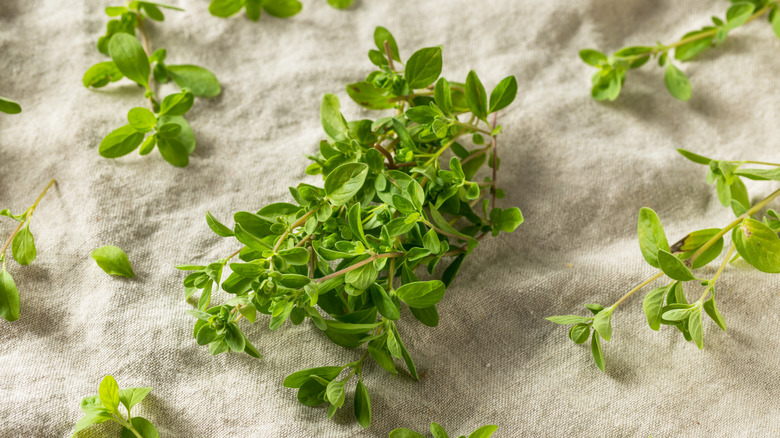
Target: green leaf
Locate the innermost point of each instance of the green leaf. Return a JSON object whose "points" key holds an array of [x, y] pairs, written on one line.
{"points": [[677, 83], [595, 349], [249, 239], [343, 183], [651, 236], [695, 327], [198, 80], [652, 305], [332, 121], [506, 220], [443, 95], [362, 277], [380, 36], [130, 58], [383, 303], [132, 396], [442, 223], [234, 338], [758, 245], [9, 296], [341, 4], [403, 432], [437, 431], [8, 106], [503, 95], [282, 8], [476, 98], [186, 137], [602, 323], [483, 432], [569, 319], [738, 14], [335, 393], [109, 393], [120, 142], [142, 426], [23, 246], [295, 256], [362, 405], [356, 222], [579, 333], [225, 8], [452, 270], [426, 315], [405, 354], [17, 217], [99, 75], [90, 419], [696, 158], [141, 119], [712, 311], [217, 227], [673, 267], [421, 294], [348, 328], [592, 57], [423, 67], [113, 261], [776, 23], [176, 104], [367, 95], [174, 151]]}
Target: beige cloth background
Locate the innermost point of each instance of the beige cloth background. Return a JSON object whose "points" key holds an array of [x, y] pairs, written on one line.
{"points": [[580, 170]]}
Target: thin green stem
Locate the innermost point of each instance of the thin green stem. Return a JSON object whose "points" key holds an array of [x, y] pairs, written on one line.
{"points": [[287, 232], [763, 163], [359, 264], [27, 218], [472, 127], [714, 279], [639, 287]]}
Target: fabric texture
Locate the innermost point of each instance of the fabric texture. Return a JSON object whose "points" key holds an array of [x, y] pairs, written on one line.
{"points": [[579, 170]]}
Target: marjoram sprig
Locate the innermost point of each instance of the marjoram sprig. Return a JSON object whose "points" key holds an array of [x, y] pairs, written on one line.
{"points": [[22, 245], [611, 74], [437, 431], [163, 123], [255, 8], [756, 241], [105, 407], [347, 255]]}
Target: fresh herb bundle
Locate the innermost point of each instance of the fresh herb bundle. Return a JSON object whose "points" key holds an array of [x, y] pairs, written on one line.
{"points": [[438, 432], [23, 250], [8, 106], [105, 407], [164, 120], [274, 8], [350, 250], [608, 80], [755, 241]]}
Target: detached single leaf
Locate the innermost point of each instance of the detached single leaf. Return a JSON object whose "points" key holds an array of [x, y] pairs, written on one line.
{"points": [[113, 261]]}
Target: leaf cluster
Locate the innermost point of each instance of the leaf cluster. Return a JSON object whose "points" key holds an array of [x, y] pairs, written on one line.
{"points": [[104, 407], [346, 255], [437, 431], [611, 74], [255, 8], [756, 241], [162, 125]]}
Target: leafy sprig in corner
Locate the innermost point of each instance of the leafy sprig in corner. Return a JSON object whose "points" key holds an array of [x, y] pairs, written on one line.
{"points": [[345, 255], [753, 238], [22, 244], [162, 124], [608, 80], [105, 407]]}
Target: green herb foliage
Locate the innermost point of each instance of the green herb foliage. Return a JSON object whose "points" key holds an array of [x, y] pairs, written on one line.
{"points": [[163, 123], [104, 407], [611, 74], [255, 8], [438, 432], [113, 261], [348, 255], [23, 250], [8, 106], [756, 241]]}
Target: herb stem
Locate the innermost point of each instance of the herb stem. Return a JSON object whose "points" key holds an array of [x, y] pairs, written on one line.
{"points": [[639, 287], [27, 218], [389, 56], [472, 127], [387, 154], [763, 163], [495, 164], [359, 264], [714, 279], [297, 224], [148, 50]]}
